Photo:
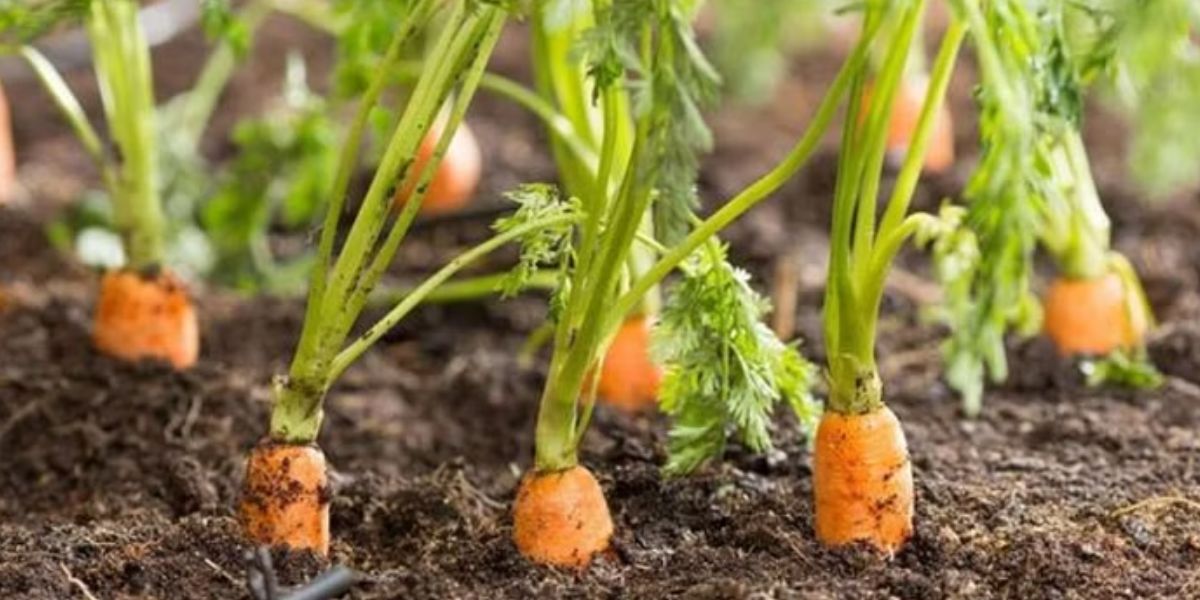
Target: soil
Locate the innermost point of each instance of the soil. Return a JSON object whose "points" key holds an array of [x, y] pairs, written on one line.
{"points": [[119, 480]]}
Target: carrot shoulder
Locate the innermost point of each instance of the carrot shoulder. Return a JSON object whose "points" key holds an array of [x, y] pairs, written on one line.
{"points": [[561, 518], [456, 178], [285, 498], [146, 316], [863, 480], [1092, 316], [8, 158], [629, 378]]}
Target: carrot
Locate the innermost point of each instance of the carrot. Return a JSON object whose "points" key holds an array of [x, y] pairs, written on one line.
{"points": [[560, 518], [906, 111], [286, 496], [863, 480], [285, 501], [1092, 316], [8, 161], [862, 477], [456, 177], [146, 316], [629, 378]]}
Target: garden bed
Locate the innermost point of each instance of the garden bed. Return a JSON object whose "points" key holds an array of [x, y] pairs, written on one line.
{"points": [[121, 480]]}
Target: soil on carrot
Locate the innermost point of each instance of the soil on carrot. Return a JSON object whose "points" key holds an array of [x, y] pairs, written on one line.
{"points": [[121, 480]]}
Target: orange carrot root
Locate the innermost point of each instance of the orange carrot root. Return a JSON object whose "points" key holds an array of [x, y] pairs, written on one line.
{"points": [[8, 157], [141, 316], [456, 178], [1091, 316], [561, 518], [906, 112], [863, 481], [629, 379], [285, 499]]}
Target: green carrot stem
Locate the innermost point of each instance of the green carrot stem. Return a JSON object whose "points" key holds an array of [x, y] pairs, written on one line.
{"points": [[60, 93], [311, 337], [394, 167], [122, 63], [852, 308], [463, 49], [760, 189], [467, 289], [485, 39], [1081, 244], [373, 333]]}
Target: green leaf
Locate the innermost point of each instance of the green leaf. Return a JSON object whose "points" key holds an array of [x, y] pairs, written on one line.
{"points": [[23, 21], [281, 173], [540, 247], [726, 372], [1123, 369], [220, 22]]}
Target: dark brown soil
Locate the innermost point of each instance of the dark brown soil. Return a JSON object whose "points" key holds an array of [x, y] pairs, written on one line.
{"points": [[121, 479]]}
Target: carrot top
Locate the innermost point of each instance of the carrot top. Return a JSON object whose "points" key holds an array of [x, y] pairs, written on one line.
{"points": [[341, 283], [121, 57], [861, 251]]}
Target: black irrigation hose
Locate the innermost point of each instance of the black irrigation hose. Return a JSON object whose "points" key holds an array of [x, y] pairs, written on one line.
{"points": [[263, 584]]}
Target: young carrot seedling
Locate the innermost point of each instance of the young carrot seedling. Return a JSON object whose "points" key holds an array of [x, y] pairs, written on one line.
{"points": [[143, 310], [1034, 185], [862, 475], [285, 500]]}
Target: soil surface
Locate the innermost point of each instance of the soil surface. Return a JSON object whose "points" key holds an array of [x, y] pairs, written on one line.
{"points": [[120, 480]]}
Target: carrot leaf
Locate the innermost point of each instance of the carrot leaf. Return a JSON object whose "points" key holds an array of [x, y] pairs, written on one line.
{"points": [[22, 21], [221, 22], [725, 370], [1123, 369], [551, 246]]}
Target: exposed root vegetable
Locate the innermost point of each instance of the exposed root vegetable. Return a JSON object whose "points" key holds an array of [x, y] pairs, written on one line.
{"points": [[939, 154], [1092, 316], [8, 160], [561, 518], [629, 379], [456, 178], [285, 500], [863, 480], [146, 316]]}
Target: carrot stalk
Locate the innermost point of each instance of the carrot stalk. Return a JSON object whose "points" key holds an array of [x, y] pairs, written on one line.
{"points": [[285, 499], [122, 59], [906, 113], [561, 518], [146, 316]]}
